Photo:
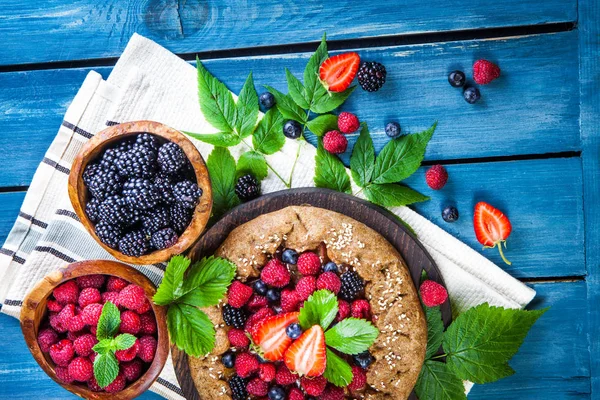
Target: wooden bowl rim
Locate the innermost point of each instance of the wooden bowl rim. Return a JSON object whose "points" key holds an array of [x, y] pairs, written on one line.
{"points": [[92, 148], [38, 296]]}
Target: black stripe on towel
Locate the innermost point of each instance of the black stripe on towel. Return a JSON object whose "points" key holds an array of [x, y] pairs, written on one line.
{"points": [[55, 165], [67, 213], [7, 252], [55, 253], [76, 129], [33, 220], [18, 259], [170, 386], [111, 123], [13, 303]]}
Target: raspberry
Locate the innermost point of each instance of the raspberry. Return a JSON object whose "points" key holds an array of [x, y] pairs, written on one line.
{"points": [[147, 324], [332, 393], [91, 281], [254, 319], [295, 394], [433, 294], [361, 309], [334, 142], [117, 385], [257, 302], [329, 281], [56, 323], [54, 306], [305, 287], [284, 376], [485, 71], [343, 310], [313, 386], [238, 294], [130, 322], [266, 372], [91, 314], [81, 369], [93, 385], [246, 364], [62, 373], [145, 308], [67, 293], [289, 300], [257, 387], [132, 297], [309, 263], [74, 335], [93, 330], [115, 284], [359, 378], [113, 297], [132, 370], [84, 343], [237, 338], [347, 122], [128, 354], [62, 352], [47, 338], [66, 314], [436, 177], [147, 348], [88, 296], [275, 274], [75, 323]]}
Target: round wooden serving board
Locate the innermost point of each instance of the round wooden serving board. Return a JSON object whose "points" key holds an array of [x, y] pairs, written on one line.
{"points": [[377, 218]]}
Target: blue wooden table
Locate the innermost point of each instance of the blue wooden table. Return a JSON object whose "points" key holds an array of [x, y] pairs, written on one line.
{"points": [[531, 147]]}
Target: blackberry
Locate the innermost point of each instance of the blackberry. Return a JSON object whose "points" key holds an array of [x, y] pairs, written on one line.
{"points": [[392, 129], [352, 286], [109, 159], [457, 78], [186, 173], [471, 94], [164, 185], [164, 238], [450, 214], [235, 317], [187, 193], [108, 234], [180, 217], [170, 158], [139, 162], [363, 359], [125, 145], [105, 183], [140, 194], [147, 140], [371, 75], [91, 209], [156, 219], [90, 171], [247, 188], [292, 129], [115, 211], [237, 384], [134, 244]]}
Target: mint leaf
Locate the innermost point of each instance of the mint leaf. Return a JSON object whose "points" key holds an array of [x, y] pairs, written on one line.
{"points": [[352, 336], [190, 329], [106, 369], [393, 195], [401, 157], [481, 341], [109, 322], [103, 346], [171, 286], [362, 161], [320, 309], [322, 124], [217, 139], [246, 108], [437, 382], [287, 107], [221, 167], [207, 281], [329, 101], [252, 162], [313, 87], [216, 101], [124, 341], [268, 137], [296, 90], [435, 330], [337, 371], [330, 173]]}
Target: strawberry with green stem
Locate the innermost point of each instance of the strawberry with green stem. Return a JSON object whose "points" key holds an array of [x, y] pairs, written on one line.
{"points": [[492, 227]]}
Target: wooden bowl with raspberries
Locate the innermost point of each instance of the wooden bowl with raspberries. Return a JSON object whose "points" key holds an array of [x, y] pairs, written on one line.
{"points": [[93, 328], [142, 190]]}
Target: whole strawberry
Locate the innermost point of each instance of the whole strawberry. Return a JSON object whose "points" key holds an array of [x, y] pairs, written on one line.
{"points": [[433, 294], [485, 71], [334, 142], [436, 177], [348, 122]]}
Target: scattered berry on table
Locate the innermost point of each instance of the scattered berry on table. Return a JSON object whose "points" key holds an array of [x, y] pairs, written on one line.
{"points": [[134, 244], [237, 384], [359, 378], [139, 162], [363, 360], [371, 76], [330, 267], [276, 393], [485, 71], [335, 142], [338, 72], [284, 376], [90, 281], [187, 193], [140, 194], [436, 177], [245, 364], [170, 158], [343, 310], [432, 293], [292, 129], [238, 294], [305, 287], [260, 287], [392, 129], [257, 387], [105, 183], [267, 100], [275, 274], [314, 386], [256, 319], [309, 263], [257, 302], [247, 188], [352, 286], [360, 309], [132, 297], [132, 370], [180, 217], [81, 369], [228, 359], [47, 338], [273, 295], [329, 281], [295, 394], [293, 331], [492, 227], [67, 293], [235, 317], [91, 209], [450, 214], [348, 122], [289, 256], [457, 78], [163, 238], [147, 348], [471, 94]]}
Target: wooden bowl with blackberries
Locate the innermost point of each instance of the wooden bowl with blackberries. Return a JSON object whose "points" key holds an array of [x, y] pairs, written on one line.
{"points": [[142, 190]]}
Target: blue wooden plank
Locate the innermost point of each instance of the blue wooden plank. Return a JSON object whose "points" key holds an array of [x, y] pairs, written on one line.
{"points": [[10, 203], [62, 30]]}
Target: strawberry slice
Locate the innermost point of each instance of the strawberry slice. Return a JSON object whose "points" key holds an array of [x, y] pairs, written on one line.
{"points": [[307, 355], [492, 228], [270, 335], [337, 72]]}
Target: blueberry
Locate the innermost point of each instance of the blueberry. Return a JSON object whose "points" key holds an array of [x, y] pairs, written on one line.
{"points": [[392, 129], [457, 78], [363, 359], [450, 214], [289, 256], [330, 267], [260, 287], [293, 331], [292, 129], [267, 100], [273, 295], [276, 393], [471, 94], [228, 359]]}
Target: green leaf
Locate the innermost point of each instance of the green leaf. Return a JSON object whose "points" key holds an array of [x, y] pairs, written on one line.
{"points": [[437, 382], [362, 161], [207, 281], [400, 158], [393, 195], [109, 322], [221, 167], [252, 162], [481, 341], [190, 329], [247, 108], [322, 124], [124, 341], [330, 172], [312, 85], [435, 330], [337, 371], [106, 369], [325, 101], [352, 336], [268, 137], [320, 308], [296, 90], [171, 286], [216, 101], [217, 139], [287, 107], [104, 346]]}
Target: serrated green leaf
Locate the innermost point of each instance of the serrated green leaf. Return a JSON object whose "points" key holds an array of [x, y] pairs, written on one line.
{"points": [[246, 108], [362, 161], [109, 322], [268, 137], [252, 162], [400, 158], [171, 286], [320, 309], [217, 139], [207, 282], [322, 124], [337, 371], [106, 369], [296, 90], [352, 336], [216, 101], [437, 382], [330, 172], [325, 101], [481, 341], [221, 167], [435, 330], [313, 86], [393, 195], [124, 341], [190, 329], [287, 107], [103, 346]]}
